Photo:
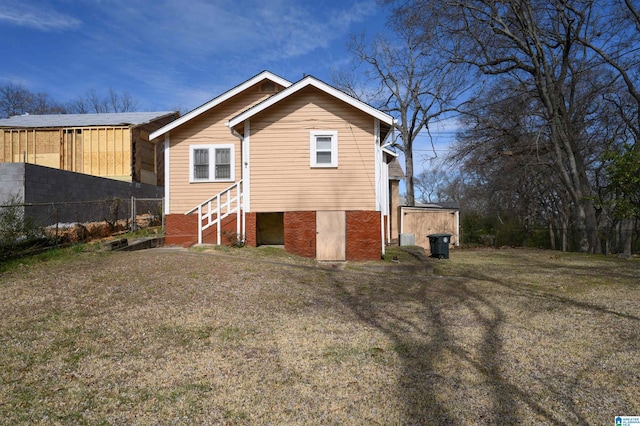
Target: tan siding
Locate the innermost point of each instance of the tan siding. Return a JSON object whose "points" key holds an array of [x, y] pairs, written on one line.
{"points": [[209, 128], [281, 177]]}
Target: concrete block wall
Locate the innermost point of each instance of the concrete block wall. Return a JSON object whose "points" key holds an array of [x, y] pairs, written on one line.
{"points": [[64, 196], [11, 181], [45, 185]]}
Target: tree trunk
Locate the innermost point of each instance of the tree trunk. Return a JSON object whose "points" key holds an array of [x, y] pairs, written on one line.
{"points": [[626, 234], [410, 199]]}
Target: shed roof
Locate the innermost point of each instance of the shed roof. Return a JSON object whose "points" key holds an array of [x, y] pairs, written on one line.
{"points": [[82, 120], [440, 205], [395, 170]]}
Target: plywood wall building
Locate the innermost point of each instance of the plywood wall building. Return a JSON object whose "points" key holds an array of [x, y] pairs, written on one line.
{"points": [[435, 219], [114, 145]]}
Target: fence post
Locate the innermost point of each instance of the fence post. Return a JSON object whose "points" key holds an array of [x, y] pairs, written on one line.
{"points": [[133, 213]]}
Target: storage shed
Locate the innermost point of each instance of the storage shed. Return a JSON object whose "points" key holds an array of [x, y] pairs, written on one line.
{"points": [[112, 145], [425, 219]]}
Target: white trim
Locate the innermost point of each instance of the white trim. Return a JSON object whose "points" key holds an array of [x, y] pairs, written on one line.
{"points": [[246, 164], [313, 158], [378, 161], [167, 156], [212, 162], [457, 228], [218, 100], [305, 82], [388, 151]]}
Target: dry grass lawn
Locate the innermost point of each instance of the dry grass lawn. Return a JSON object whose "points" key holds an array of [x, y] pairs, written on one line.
{"points": [[176, 337]]}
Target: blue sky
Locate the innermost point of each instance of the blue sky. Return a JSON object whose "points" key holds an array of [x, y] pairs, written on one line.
{"points": [[174, 54]]}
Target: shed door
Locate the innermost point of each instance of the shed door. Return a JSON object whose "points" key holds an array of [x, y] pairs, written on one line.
{"points": [[331, 235]]}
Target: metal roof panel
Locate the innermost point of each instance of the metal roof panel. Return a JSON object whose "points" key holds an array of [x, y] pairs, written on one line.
{"points": [[82, 120]]}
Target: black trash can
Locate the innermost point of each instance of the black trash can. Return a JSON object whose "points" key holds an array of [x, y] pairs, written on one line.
{"points": [[439, 245]]}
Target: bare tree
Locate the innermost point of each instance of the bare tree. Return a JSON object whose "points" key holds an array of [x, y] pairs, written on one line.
{"points": [[14, 99], [406, 80], [617, 45], [536, 44], [92, 102], [42, 103]]}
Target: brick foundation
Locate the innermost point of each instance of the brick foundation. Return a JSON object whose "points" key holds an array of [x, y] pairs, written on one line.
{"points": [[300, 233], [364, 241], [362, 232], [183, 230], [251, 235]]}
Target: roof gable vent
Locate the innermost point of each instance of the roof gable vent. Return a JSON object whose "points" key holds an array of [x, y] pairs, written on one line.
{"points": [[268, 86]]}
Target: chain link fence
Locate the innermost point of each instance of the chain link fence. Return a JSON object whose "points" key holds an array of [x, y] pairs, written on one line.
{"points": [[25, 227]]}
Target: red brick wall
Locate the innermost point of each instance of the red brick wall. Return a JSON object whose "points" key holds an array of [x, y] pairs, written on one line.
{"points": [[251, 230], [363, 232], [364, 241], [183, 230], [300, 233]]}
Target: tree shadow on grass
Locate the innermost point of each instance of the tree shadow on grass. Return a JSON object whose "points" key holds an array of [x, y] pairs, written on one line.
{"points": [[449, 376]]}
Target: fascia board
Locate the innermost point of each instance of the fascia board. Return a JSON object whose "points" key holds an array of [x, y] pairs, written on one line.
{"points": [[388, 151], [218, 100], [305, 82]]}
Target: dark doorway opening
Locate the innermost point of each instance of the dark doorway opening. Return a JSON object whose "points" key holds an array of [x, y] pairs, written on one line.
{"points": [[270, 227]]}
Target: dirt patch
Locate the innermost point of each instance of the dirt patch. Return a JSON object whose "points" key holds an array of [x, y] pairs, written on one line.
{"points": [[495, 337]]}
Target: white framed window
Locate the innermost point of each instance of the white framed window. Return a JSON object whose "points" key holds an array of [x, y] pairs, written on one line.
{"points": [[211, 163], [324, 148]]}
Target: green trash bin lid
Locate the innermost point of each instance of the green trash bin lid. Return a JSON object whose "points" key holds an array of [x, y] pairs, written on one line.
{"points": [[445, 237]]}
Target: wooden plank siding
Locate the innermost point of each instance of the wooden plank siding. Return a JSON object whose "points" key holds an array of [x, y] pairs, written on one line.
{"points": [[281, 176], [26, 145], [100, 151], [423, 222], [208, 128], [106, 152]]}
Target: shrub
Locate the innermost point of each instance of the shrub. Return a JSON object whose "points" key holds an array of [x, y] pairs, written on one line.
{"points": [[18, 233]]}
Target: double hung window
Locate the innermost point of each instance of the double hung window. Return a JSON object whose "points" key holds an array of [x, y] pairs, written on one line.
{"points": [[211, 163], [324, 149]]}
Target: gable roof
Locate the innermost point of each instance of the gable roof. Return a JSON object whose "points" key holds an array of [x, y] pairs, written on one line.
{"points": [[219, 99], [440, 205], [395, 170], [318, 84], [82, 120]]}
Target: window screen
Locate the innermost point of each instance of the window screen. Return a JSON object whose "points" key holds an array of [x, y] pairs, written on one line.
{"points": [[201, 163]]}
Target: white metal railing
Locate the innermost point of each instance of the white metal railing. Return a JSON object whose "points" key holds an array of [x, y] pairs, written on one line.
{"points": [[212, 211]]}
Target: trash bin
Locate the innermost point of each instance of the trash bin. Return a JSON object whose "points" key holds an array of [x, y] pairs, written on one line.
{"points": [[439, 245]]}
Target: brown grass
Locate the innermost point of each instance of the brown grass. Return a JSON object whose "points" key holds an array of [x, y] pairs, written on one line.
{"points": [[240, 337]]}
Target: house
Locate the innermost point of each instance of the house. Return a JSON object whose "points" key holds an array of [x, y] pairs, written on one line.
{"points": [[273, 162], [114, 145]]}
